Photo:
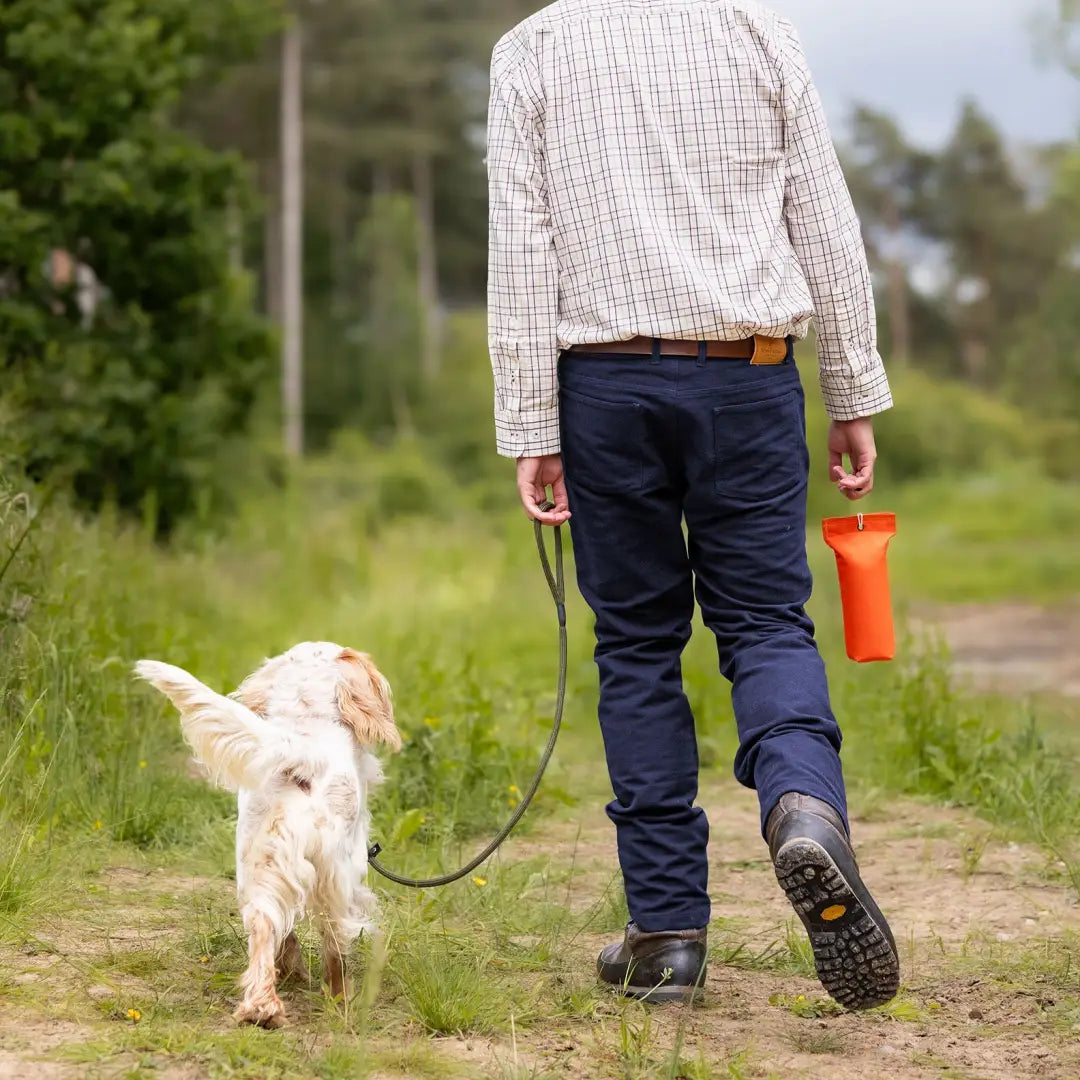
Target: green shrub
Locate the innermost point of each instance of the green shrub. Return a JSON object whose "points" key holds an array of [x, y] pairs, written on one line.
{"points": [[940, 429], [129, 394]]}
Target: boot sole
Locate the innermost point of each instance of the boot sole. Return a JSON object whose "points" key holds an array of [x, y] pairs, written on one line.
{"points": [[854, 952]]}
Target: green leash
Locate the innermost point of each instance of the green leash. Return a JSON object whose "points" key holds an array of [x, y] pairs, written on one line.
{"points": [[557, 585]]}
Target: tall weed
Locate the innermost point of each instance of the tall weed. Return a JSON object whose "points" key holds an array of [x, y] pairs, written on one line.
{"points": [[917, 734], [90, 753]]}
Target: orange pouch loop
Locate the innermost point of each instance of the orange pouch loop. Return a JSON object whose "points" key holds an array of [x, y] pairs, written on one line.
{"points": [[861, 545]]}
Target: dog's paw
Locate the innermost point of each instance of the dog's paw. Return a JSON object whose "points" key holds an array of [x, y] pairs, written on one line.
{"points": [[268, 1014]]}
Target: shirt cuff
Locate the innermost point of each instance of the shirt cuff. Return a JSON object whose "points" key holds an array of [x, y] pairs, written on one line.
{"points": [[534, 434], [852, 397]]}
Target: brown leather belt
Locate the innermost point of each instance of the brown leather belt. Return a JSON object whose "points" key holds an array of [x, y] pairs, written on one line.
{"points": [[758, 349]]}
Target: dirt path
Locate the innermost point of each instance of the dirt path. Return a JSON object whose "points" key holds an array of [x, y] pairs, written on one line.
{"points": [[970, 916], [1012, 648]]}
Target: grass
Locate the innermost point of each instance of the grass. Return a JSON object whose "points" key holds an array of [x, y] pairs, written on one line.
{"points": [[983, 537], [811, 1041], [785, 950], [1051, 964], [115, 863], [449, 986]]}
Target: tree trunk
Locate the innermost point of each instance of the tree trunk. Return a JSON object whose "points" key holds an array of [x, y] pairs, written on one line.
{"points": [[341, 242], [383, 280], [973, 357], [427, 270], [896, 277], [292, 227], [380, 187], [234, 222], [272, 243]]}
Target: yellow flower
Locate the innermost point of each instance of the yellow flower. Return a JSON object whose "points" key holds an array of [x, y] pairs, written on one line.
{"points": [[512, 802], [97, 824], [134, 1015], [204, 959], [142, 764], [514, 789], [432, 721], [481, 881]]}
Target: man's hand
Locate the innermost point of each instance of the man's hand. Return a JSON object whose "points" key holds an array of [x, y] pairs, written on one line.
{"points": [[855, 438], [534, 474]]}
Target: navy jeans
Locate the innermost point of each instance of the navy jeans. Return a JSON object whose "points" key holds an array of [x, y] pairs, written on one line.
{"points": [[720, 444]]}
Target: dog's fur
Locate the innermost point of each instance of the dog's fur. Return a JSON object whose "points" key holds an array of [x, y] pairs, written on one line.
{"points": [[295, 740]]}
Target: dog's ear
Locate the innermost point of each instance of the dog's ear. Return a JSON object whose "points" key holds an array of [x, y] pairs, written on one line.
{"points": [[364, 701], [254, 691]]}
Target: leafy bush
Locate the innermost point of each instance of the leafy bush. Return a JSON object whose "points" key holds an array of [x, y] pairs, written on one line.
{"points": [[937, 428], [128, 343], [945, 428]]}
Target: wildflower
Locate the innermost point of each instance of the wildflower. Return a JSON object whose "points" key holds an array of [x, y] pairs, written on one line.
{"points": [[134, 1015], [204, 959], [97, 824], [432, 722], [142, 764], [481, 881], [512, 802], [514, 789]]}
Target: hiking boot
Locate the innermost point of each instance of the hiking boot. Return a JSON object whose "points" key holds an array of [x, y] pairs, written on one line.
{"points": [[660, 967], [854, 951]]}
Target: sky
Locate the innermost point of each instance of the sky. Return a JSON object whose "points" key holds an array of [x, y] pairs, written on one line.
{"points": [[916, 59]]}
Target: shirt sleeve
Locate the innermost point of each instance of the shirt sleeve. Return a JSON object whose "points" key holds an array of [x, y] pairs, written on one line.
{"points": [[523, 278], [824, 231]]}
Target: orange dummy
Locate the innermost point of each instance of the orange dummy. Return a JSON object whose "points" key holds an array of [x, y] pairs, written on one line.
{"points": [[861, 545]]}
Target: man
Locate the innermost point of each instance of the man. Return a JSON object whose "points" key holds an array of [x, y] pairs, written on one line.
{"points": [[667, 215]]}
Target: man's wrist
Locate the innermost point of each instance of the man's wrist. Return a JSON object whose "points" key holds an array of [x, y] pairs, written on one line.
{"points": [[846, 412], [855, 388], [518, 436]]}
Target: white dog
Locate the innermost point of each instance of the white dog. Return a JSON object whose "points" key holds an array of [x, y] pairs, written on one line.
{"points": [[295, 739]]}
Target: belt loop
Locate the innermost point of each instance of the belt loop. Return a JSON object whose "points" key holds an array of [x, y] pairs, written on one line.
{"points": [[655, 350], [702, 353]]}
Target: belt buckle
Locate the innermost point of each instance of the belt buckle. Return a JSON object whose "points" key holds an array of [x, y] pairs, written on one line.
{"points": [[769, 350]]}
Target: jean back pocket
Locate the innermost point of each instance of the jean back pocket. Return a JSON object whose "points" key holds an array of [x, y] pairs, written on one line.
{"points": [[602, 442], [760, 448]]}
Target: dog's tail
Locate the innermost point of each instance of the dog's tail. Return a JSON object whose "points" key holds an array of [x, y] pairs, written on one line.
{"points": [[237, 747]]}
